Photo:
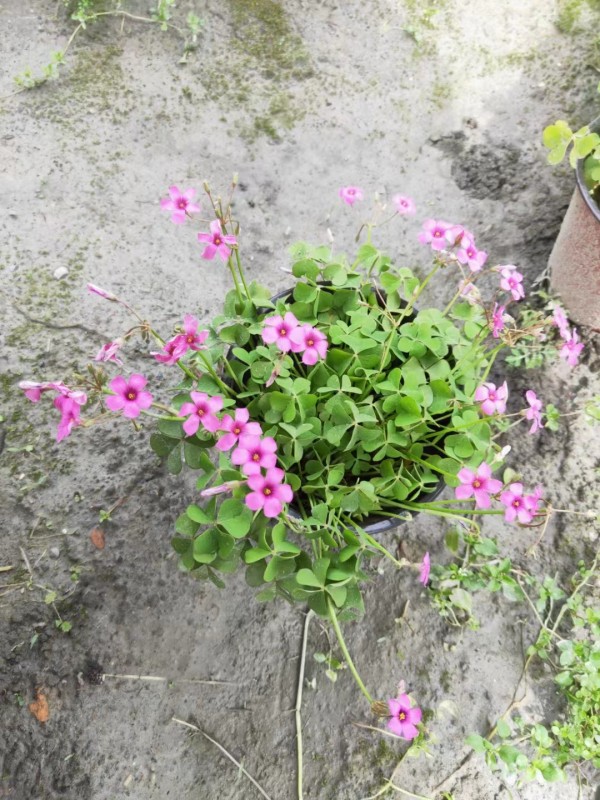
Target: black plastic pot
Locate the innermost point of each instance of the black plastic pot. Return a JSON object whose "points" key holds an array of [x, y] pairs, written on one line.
{"points": [[574, 262], [373, 524]]}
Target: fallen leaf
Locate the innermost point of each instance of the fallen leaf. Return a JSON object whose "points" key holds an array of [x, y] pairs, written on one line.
{"points": [[97, 538], [39, 708]]}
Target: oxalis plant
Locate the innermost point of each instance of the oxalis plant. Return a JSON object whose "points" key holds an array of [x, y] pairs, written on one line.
{"points": [[339, 408]]}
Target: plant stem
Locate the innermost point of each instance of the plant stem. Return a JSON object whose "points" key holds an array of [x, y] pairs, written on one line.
{"points": [[420, 290], [235, 280], [409, 794], [232, 373], [377, 546], [492, 358], [241, 272], [307, 619], [214, 375], [344, 649], [225, 752]]}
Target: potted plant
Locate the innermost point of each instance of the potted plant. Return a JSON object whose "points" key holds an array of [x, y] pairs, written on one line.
{"points": [[330, 412], [575, 259]]}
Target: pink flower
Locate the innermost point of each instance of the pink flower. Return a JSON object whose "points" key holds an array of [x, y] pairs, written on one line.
{"points": [[277, 330], [404, 717], [404, 204], [493, 401], [311, 342], [180, 204], [350, 194], [129, 395], [69, 415], [268, 492], [517, 505], [571, 349], [425, 569], [559, 319], [512, 281], [171, 352], [479, 484], [201, 411], [108, 352], [497, 320], [216, 242], [33, 391], [191, 338], [534, 411], [235, 427], [101, 292], [533, 500], [434, 233], [253, 453], [455, 234], [468, 254]]}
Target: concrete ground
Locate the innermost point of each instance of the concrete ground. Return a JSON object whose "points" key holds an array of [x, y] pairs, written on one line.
{"points": [[444, 101]]}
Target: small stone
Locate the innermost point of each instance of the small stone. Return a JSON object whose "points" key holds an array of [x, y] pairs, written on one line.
{"points": [[54, 552], [60, 272]]}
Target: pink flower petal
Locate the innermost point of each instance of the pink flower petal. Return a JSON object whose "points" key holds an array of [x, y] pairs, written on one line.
{"points": [[272, 507], [254, 501]]}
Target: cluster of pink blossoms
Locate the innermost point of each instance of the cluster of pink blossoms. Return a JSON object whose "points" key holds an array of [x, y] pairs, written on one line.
{"points": [[479, 484], [181, 207], [253, 452], [572, 347], [493, 401], [287, 334], [68, 402], [482, 486], [442, 235], [402, 203], [190, 339]]}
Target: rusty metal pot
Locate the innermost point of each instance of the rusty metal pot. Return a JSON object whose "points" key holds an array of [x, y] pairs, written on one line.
{"points": [[575, 258]]}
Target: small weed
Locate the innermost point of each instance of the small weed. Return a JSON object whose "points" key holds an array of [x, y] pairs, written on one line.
{"points": [[27, 80], [333, 665], [86, 12]]}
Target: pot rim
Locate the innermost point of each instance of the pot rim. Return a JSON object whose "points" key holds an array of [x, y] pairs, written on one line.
{"points": [[583, 190]]}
